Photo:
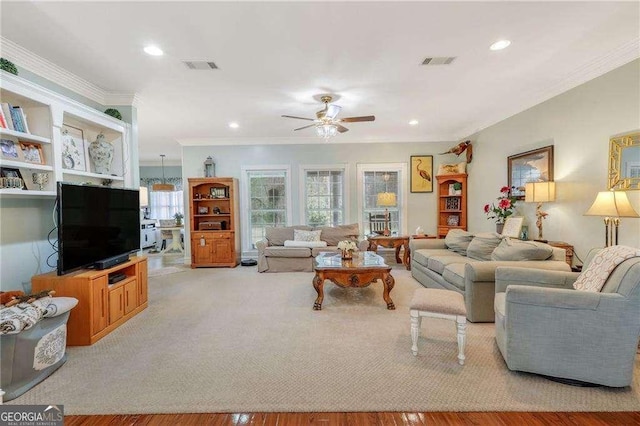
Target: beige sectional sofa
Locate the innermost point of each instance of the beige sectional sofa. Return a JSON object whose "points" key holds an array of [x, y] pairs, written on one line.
{"points": [[273, 256], [435, 264]]}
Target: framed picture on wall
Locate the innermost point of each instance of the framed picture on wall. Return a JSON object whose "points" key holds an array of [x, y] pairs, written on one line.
{"points": [[421, 173], [530, 166]]}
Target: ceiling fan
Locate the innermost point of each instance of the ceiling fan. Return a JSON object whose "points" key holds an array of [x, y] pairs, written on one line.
{"points": [[326, 123]]}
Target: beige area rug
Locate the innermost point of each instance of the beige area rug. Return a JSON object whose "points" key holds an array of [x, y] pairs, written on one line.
{"points": [[233, 340], [165, 271]]}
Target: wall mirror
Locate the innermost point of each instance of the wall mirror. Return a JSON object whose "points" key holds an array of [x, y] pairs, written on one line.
{"points": [[624, 162]]}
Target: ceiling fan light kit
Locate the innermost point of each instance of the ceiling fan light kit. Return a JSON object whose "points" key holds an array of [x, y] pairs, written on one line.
{"points": [[327, 131], [326, 123]]}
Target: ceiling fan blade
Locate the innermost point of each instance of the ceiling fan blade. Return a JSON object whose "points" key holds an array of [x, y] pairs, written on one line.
{"points": [[304, 127], [341, 128], [356, 119], [299, 118]]}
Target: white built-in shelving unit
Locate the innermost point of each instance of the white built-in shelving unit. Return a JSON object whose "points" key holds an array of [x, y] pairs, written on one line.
{"points": [[48, 113]]}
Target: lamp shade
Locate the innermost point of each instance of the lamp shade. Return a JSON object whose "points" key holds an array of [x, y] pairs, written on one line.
{"points": [[611, 204], [144, 196], [387, 199], [539, 192]]}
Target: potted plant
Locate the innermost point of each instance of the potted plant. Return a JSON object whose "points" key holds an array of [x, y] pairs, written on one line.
{"points": [[501, 210], [178, 217]]}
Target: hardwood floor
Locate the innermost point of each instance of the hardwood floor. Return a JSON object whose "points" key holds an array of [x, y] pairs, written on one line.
{"points": [[381, 418]]}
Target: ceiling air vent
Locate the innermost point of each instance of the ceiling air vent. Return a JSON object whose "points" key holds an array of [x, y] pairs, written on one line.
{"points": [[200, 65], [439, 60]]}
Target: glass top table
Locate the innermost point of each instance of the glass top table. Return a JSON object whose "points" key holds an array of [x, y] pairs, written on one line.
{"points": [[360, 271], [359, 260]]}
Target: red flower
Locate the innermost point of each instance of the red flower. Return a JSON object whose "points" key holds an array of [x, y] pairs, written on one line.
{"points": [[486, 208], [505, 189], [504, 204]]}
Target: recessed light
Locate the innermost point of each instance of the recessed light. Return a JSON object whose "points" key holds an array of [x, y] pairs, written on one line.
{"points": [[499, 45], [153, 51], [413, 122], [234, 125]]}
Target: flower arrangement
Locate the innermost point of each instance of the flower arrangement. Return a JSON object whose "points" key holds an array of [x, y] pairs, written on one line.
{"points": [[347, 245], [178, 217], [504, 208]]}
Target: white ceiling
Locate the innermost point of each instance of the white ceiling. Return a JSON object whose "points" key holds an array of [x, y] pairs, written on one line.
{"points": [[274, 58]]}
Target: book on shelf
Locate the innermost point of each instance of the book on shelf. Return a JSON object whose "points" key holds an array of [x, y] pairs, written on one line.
{"points": [[23, 119], [6, 109], [3, 121], [15, 117]]}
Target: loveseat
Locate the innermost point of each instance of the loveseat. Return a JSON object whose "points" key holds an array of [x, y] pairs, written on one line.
{"points": [[280, 251], [467, 263]]}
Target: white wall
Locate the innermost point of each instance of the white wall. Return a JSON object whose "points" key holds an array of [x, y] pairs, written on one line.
{"points": [[229, 159], [23, 241], [579, 124]]}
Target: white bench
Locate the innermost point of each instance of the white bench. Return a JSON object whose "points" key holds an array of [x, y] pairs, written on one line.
{"points": [[436, 303]]}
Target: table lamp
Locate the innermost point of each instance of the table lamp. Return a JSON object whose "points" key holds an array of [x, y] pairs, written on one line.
{"points": [[386, 199], [612, 205], [540, 192]]}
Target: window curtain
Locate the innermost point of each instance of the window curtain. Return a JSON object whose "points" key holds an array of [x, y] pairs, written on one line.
{"points": [[164, 204]]}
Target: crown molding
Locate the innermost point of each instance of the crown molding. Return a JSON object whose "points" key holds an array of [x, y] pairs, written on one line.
{"points": [[622, 55], [58, 75], [114, 99]]}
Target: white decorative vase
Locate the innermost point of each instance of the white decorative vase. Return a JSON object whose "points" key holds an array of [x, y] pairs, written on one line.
{"points": [[101, 154]]}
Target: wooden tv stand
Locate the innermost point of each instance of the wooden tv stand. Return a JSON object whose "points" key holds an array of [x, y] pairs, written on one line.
{"points": [[101, 307]]}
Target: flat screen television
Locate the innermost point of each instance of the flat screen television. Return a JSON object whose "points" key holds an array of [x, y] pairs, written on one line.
{"points": [[95, 223]]}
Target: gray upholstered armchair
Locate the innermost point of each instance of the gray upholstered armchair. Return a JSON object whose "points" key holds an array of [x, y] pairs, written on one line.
{"points": [[546, 327]]}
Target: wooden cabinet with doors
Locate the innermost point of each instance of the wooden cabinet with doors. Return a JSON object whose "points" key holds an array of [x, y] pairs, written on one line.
{"points": [[452, 203], [102, 307], [213, 218]]}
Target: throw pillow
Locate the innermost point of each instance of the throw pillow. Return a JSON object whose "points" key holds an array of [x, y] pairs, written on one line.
{"points": [[334, 234], [458, 240], [307, 244], [278, 235], [482, 245], [595, 275], [302, 235], [514, 250]]}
